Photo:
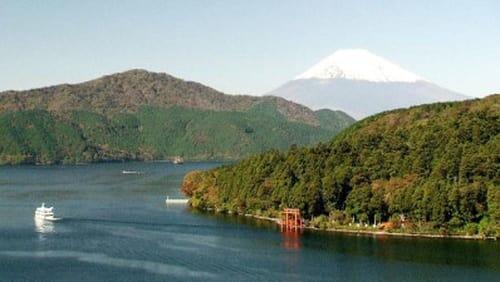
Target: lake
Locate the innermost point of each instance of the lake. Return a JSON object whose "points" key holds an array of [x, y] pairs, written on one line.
{"points": [[117, 227]]}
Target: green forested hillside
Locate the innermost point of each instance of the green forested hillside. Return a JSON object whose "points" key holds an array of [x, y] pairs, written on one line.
{"points": [[431, 167], [139, 115], [333, 120], [38, 136]]}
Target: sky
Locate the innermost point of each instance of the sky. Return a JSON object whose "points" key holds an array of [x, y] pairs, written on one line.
{"points": [[246, 47]]}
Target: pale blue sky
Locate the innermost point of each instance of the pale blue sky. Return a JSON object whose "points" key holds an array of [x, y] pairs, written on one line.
{"points": [[247, 47]]}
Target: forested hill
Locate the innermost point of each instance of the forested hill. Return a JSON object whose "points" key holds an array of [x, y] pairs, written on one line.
{"points": [[141, 115], [130, 90], [432, 166]]}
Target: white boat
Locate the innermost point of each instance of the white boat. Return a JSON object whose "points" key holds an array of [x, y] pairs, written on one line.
{"points": [[176, 201], [130, 172], [44, 213], [178, 160]]}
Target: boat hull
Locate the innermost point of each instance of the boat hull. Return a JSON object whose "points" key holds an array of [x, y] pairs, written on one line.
{"points": [[177, 201], [48, 218]]}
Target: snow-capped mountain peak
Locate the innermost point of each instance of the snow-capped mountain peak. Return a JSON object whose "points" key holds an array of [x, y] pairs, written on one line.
{"points": [[361, 84], [358, 64]]}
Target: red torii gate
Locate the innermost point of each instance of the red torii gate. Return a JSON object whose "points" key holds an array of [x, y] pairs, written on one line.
{"points": [[291, 220]]}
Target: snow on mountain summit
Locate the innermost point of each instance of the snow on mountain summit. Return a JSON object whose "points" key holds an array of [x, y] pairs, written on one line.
{"points": [[358, 64], [361, 84]]}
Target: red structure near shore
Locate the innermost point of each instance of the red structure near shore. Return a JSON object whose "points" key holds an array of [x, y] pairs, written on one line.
{"points": [[291, 220]]}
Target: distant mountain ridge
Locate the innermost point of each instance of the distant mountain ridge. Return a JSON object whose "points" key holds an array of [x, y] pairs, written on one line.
{"points": [[127, 91], [361, 84], [140, 115]]}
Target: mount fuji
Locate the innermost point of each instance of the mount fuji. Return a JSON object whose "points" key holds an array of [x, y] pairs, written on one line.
{"points": [[361, 84]]}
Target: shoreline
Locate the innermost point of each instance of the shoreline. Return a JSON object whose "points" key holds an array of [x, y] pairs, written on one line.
{"points": [[382, 233], [62, 163]]}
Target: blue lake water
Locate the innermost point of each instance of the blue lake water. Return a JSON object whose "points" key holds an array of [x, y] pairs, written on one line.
{"points": [[116, 227]]}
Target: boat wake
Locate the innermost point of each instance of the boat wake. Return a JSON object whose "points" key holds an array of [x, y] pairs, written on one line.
{"points": [[103, 259], [69, 220]]}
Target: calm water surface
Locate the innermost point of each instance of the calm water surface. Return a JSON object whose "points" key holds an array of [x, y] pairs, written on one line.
{"points": [[116, 227]]}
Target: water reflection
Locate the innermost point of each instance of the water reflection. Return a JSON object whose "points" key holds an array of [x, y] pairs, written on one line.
{"points": [[291, 239], [44, 226]]}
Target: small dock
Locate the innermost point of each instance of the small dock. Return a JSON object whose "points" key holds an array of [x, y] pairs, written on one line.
{"points": [[176, 201]]}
